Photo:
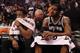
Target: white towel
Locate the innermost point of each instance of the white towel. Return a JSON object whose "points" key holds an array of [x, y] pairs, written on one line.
{"points": [[59, 41], [28, 22]]}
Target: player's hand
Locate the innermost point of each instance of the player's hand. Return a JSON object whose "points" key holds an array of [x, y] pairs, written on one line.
{"points": [[47, 35], [17, 23]]}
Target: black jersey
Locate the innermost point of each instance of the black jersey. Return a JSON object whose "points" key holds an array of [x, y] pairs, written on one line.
{"points": [[38, 25], [55, 26]]}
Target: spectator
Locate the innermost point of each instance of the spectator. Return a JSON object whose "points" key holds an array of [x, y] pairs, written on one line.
{"points": [[38, 17]]}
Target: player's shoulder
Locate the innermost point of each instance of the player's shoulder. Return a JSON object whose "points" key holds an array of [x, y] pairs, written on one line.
{"points": [[30, 19], [46, 18], [65, 17]]}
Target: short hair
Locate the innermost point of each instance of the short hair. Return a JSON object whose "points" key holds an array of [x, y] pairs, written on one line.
{"points": [[38, 11], [23, 10], [57, 5]]}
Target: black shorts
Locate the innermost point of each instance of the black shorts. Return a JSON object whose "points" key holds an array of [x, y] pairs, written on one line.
{"points": [[51, 48]]}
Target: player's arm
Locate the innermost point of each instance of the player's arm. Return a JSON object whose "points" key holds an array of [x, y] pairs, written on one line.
{"points": [[67, 26]]}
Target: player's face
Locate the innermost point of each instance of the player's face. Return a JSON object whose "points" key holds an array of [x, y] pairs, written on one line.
{"points": [[19, 13], [52, 10]]}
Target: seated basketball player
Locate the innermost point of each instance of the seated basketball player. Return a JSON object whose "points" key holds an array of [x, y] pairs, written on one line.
{"points": [[23, 27], [57, 31]]}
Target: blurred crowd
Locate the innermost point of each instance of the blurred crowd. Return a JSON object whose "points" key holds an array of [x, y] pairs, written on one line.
{"points": [[69, 7]]}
